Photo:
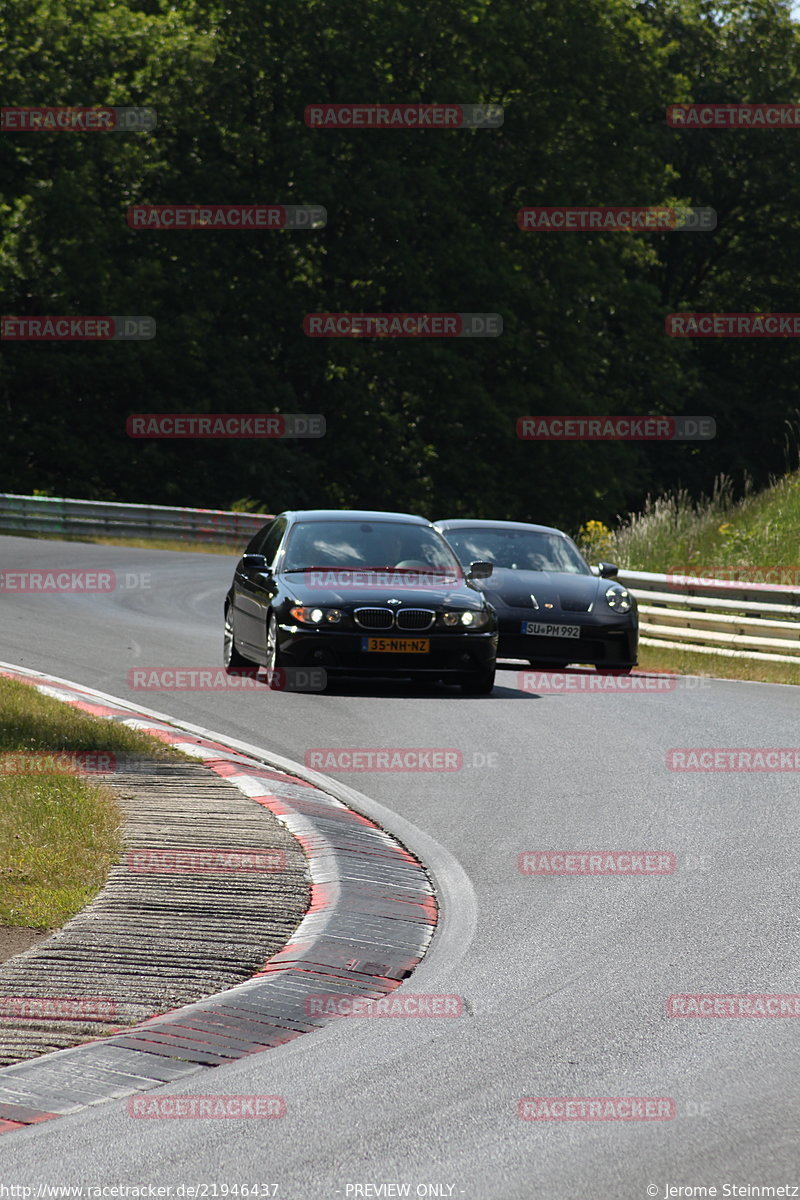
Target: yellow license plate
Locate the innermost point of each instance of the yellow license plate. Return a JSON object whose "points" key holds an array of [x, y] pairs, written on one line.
{"points": [[384, 645]]}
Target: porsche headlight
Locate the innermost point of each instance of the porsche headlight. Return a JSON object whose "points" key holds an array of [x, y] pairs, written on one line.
{"points": [[618, 598], [467, 618], [316, 616]]}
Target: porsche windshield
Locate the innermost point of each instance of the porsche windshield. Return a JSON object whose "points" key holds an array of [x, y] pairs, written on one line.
{"points": [[367, 544], [519, 549]]}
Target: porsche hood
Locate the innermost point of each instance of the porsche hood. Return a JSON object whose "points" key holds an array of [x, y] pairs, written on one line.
{"points": [[562, 590]]}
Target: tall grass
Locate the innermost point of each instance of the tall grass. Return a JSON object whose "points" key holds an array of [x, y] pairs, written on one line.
{"points": [[673, 532]]}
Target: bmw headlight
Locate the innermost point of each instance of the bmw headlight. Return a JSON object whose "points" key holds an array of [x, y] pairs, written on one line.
{"points": [[618, 598], [309, 615], [469, 618]]}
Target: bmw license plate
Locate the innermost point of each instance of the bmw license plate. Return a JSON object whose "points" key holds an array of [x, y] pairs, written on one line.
{"points": [[544, 629], [384, 645]]}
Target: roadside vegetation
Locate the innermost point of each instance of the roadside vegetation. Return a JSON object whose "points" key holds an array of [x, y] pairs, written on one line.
{"points": [[755, 538], [414, 218], [760, 531], [686, 662], [59, 831]]}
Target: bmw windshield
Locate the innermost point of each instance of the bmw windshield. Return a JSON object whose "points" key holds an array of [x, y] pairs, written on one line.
{"points": [[363, 545]]}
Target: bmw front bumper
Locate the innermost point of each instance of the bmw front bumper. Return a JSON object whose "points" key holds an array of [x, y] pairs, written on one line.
{"points": [[345, 652]]}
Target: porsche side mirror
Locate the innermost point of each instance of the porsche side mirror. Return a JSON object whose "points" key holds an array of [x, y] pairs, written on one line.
{"points": [[480, 570], [607, 570], [254, 562]]}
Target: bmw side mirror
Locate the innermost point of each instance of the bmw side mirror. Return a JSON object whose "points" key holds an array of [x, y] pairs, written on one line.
{"points": [[254, 562], [480, 570], [607, 570]]}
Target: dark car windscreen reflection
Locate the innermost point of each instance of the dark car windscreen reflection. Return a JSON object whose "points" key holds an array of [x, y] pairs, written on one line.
{"points": [[369, 545], [518, 549]]}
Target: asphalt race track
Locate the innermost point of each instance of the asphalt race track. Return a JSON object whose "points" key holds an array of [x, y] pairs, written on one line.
{"points": [[565, 979]]}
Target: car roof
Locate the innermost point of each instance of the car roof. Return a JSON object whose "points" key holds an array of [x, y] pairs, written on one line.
{"points": [[353, 514], [464, 523]]}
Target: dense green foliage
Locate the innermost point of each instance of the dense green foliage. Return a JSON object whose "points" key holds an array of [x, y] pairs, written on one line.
{"points": [[417, 221]]}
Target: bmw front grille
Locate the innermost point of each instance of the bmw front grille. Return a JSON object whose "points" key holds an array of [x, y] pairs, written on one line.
{"points": [[384, 618], [374, 618], [415, 618]]}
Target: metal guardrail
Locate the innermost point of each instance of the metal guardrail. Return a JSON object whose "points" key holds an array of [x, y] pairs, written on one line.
{"points": [[715, 616], [59, 515]]}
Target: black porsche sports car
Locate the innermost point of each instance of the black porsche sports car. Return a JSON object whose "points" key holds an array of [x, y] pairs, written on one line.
{"points": [[360, 593], [551, 608]]}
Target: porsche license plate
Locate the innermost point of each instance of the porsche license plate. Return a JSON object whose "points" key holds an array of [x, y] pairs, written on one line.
{"points": [[384, 645], [544, 629]]}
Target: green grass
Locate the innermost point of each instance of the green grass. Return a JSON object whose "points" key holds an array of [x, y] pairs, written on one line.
{"points": [[760, 530], [653, 658], [59, 839], [59, 833]]}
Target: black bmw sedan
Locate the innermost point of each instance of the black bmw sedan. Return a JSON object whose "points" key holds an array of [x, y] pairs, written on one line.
{"points": [[360, 593], [551, 608]]}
